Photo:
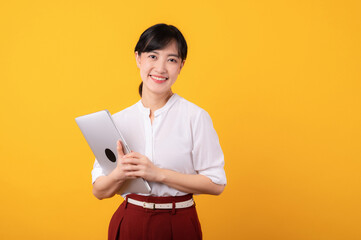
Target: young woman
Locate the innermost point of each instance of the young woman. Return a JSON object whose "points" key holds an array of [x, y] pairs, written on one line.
{"points": [[174, 147]]}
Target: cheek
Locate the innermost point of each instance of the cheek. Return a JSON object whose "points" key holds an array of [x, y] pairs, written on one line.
{"points": [[175, 71], [146, 67], [144, 70]]}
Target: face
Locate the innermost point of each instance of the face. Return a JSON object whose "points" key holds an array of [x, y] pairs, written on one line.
{"points": [[160, 68]]}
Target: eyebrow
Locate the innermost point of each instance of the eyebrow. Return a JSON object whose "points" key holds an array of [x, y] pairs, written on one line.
{"points": [[169, 55]]}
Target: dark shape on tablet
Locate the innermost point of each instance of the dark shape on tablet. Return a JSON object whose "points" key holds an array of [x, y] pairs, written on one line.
{"points": [[110, 155]]}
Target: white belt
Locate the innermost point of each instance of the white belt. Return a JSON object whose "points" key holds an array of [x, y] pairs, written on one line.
{"points": [[148, 205]]}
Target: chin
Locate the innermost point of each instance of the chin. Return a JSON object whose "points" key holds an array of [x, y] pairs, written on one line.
{"points": [[159, 92], [157, 89]]}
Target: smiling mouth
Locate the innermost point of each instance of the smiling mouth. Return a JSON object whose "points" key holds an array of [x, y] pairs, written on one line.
{"points": [[158, 79]]}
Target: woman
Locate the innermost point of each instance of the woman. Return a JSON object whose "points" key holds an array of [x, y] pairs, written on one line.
{"points": [[175, 148]]}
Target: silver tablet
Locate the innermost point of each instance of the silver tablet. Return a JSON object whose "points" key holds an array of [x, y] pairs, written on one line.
{"points": [[102, 135]]}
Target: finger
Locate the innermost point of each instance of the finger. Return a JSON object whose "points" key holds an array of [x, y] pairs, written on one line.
{"points": [[120, 149], [134, 174], [130, 161], [133, 155], [131, 177], [130, 168]]}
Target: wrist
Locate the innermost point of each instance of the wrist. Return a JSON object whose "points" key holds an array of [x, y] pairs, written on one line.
{"points": [[117, 176], [161, 175]]}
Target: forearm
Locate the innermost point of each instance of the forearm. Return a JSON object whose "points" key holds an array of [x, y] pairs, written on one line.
{"points": [[190, 183], [106, 186], [138, 165]]}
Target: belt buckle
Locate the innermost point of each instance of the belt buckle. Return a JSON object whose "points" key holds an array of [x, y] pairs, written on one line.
{"points": [[149, 205]]}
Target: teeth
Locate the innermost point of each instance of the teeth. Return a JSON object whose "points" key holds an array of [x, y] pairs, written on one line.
{"points": [[159, 79]]}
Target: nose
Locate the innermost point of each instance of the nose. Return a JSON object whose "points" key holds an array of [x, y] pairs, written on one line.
{"points": [[160, 66]]}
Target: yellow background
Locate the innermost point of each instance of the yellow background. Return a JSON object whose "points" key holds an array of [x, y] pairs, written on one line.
{"points": [[280, 79]]}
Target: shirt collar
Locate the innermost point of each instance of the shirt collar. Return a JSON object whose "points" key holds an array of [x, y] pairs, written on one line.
{"points": [[169, 103]]}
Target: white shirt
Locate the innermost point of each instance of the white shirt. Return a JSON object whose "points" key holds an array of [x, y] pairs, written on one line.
{"points": [[181, 138]]}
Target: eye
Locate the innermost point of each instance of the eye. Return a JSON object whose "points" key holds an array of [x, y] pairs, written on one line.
{"points": [[173, 60], [152, 56]]}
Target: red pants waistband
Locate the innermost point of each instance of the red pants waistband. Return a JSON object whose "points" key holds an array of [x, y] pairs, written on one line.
{"points": [[154, 199]]}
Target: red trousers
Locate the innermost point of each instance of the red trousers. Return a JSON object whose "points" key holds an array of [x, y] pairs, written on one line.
{"points": [[131, 222]]}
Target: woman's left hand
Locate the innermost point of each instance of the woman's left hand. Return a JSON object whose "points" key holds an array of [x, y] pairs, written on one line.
{"points": [[139, 165]]}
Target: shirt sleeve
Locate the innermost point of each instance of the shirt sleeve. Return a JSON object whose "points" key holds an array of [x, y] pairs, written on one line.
{"points": [[208, 158], [97, 171]]}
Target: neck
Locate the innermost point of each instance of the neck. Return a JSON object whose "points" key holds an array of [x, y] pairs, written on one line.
{"points": [[155, 101]]}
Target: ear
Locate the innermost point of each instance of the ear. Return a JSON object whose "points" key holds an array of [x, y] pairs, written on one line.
{"points": [[181, 66], [137, 59]]}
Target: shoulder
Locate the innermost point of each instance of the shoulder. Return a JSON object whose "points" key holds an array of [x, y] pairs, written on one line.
{"points": [[129, 111], [194, 111]]}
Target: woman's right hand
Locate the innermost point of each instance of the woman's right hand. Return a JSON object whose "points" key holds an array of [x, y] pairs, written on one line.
{"points": [[119, 172], [108, 186]]}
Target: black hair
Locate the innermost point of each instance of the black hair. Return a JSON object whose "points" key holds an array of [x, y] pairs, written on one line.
{"points": [[158, 37]]}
